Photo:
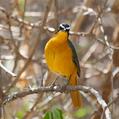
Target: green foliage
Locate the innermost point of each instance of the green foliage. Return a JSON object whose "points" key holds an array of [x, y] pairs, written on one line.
{"points": [[20, 114], [55, 113], [48, 115], [82, 112]]}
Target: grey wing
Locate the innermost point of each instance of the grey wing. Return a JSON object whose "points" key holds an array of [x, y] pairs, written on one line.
{"points": [[74, 57]]}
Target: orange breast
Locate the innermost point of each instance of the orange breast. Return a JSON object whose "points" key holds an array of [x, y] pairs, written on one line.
{"points": [[59, 58]]}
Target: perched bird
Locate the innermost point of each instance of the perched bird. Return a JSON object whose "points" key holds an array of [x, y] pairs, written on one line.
{"points": [[61, 58]]}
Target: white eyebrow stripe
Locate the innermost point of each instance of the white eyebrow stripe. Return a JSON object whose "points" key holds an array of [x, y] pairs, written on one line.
{"points": [[62, 26], [65, 27]]}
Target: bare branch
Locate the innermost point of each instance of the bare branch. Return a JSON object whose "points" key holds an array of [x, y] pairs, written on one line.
{"points": [[6, 70], [34, 48], [85, 89]]}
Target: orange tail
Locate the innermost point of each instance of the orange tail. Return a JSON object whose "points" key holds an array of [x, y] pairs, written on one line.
{"points": [[75, 95]]}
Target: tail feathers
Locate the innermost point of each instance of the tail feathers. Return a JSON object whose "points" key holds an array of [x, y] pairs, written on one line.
{"points": [[75, 95], [76, 99]]}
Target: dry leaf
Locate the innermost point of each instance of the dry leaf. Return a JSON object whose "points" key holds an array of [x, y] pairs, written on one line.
{"points": [[22, 83]]}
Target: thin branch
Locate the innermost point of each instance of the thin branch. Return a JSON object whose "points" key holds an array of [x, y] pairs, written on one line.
{"points": [[34, 106], [23, 16], [6, 70], [85, 89], [109, 104], [51, 29], [56, 13], [34, 48], [113, 101]]}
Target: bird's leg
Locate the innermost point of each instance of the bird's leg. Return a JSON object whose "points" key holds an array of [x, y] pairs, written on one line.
{"points": [[54, 82], [69, 80], [60, 82], [64, 84]]}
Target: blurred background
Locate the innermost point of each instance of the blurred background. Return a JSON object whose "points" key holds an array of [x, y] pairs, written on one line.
{"points": [[26, 26]]}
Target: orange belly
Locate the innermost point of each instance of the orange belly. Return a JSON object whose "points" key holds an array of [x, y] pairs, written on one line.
{"points": [[59, 59]]}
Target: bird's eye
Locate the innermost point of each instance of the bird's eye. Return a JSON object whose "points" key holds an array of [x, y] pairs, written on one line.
{"points": [[61, 28]]}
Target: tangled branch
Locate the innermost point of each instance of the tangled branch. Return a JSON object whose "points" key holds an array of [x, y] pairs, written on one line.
{"points": [[41, 25]]}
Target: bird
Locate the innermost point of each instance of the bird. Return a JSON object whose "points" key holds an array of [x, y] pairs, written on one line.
{"points": [[61, 58]]}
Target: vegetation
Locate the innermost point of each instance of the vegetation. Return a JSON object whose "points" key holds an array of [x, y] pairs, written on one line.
{"points": [[25, 81]]}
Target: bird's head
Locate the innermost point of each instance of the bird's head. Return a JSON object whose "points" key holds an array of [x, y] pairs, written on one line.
{"points": [[64, 27]]}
